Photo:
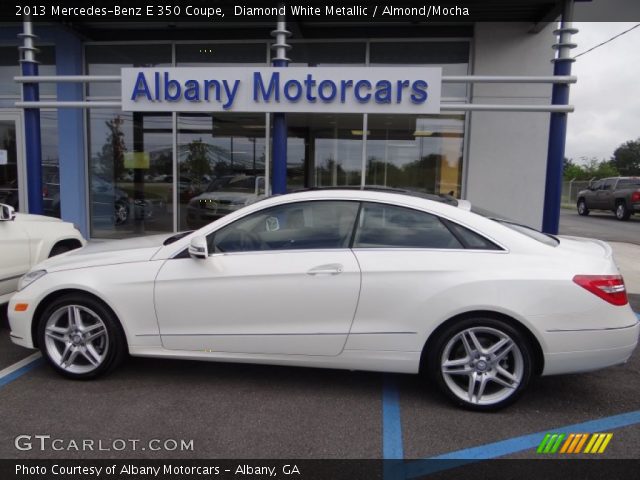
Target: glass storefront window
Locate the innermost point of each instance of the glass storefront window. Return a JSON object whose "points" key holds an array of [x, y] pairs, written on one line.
{"points": [[313, 54], [452, 56], [109, 59], [323, 150], [220, 54], [221, 164], [421, 153], [130, 173], [50, 162], [10, 67]]}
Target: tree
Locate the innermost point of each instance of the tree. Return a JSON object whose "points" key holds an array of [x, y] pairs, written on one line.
{"points": [[588, 168], [197, 162], [626, 158]]}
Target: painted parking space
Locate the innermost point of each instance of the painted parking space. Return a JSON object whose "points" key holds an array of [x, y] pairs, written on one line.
{"points": [[244, 411]]}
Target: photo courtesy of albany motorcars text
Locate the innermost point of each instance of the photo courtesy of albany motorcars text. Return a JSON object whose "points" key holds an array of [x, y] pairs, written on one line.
{"points": [[353, 279]]}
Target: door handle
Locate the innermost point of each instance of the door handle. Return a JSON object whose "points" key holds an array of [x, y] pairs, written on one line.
{"points": [[329, 269]]}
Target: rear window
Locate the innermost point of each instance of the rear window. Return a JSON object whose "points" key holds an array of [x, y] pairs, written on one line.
{"points": [[531, 233], [629, 182], [528, 231]]}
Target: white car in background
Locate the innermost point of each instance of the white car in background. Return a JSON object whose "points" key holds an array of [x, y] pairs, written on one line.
{"points": [[29, 239], [353, 279]]}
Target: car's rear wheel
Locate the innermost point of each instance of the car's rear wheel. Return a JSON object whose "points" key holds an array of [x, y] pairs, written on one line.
{"points": [[582, 208], [622, 212], [481, 363], [80, 337]]}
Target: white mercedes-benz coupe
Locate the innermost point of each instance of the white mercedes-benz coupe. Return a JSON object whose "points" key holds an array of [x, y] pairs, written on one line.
{"points": [[354, 279]]}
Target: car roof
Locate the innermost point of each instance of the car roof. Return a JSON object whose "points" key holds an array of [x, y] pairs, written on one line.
{"points": [[442, 198]]}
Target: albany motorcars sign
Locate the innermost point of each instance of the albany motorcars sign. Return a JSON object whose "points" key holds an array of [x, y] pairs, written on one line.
{"points": [[293, 89]]}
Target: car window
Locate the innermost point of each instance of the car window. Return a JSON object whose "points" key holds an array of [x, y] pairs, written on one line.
{"points": [[545, 238], [471, 239], [596, 185], [629, 183], [608, 184], [387, 226], [294, 226]]}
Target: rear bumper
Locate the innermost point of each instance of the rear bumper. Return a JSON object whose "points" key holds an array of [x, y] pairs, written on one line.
{"points": [[589, 349]]}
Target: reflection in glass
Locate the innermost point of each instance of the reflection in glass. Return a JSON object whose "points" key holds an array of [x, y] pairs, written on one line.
{"points": [[417, 153], [323, 150], [9, 168], [10, 67], [50, 163], [221, 160], [109, 59], [130, 182]]}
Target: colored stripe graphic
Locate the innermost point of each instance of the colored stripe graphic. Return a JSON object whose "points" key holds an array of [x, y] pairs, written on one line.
{"points": [[574, 442], [550, 443]]}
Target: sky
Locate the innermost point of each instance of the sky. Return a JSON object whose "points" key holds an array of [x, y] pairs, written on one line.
{"points": [[607, 94]]}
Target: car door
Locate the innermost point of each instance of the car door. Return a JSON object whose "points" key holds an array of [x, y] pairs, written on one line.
{"points": [[14, 255], [607, 200], [278, 281], [415, 267]]}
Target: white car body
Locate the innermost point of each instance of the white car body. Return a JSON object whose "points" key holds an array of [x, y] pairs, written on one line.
{"points": [[361, 308], [27, 240]]}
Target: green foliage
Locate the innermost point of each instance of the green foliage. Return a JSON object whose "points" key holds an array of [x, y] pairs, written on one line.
{"points": [[589, 168], [626, 158]]}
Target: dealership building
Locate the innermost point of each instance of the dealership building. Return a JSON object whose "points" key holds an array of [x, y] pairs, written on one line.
{"points": [[120, 155]]}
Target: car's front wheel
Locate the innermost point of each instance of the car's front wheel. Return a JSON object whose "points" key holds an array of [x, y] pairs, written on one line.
{"points": [[481, 363], [582, 208], [80, 337]]}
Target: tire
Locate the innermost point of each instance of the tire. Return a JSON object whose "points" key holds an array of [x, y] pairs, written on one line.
{"points": [[80, 350], [582, 208], [500, 376], [622, 212]]}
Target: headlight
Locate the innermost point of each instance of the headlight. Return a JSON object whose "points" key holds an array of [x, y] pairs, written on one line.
{"points": [[29, 278]]}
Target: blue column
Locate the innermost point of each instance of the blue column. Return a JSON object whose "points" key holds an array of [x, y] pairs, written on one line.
{"points": [[73, 165], [279, 180], [558, 124], [555, 155], [279, 132], [33, 147]]}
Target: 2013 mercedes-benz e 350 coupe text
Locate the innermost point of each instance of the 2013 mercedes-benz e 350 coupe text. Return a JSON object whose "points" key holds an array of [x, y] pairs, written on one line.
{"points": [[355, 279]]}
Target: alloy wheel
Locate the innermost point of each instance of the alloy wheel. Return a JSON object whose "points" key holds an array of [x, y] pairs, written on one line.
{"points": [[76, 339], [482, 366]]}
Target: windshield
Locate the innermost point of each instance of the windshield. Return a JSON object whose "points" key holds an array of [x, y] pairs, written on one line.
{"points": [[528, 231]]}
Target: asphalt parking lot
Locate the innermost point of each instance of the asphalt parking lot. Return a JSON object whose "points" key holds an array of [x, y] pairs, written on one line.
{"points": [[261, 412], [602, 225]]}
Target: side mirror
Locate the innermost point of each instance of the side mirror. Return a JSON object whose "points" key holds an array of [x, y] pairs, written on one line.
{"points": [[7, 213], [198, 247]]}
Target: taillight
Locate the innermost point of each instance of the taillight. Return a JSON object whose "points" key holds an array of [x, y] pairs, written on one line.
{"points": [[608, 287], [635, 196]]}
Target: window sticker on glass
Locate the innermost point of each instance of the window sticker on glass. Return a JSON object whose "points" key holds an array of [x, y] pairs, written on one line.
{"points": [[272, 224]]}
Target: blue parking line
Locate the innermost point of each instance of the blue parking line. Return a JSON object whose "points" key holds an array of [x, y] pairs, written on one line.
{"points": [[392, 450], [513, 445], [21, 371]]}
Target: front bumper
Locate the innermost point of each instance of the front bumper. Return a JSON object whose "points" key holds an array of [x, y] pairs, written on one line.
{"points": [[20, 322]]}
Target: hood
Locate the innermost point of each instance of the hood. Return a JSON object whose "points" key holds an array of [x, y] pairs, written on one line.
{"points": [[28, 217], [587, 246], [96, 254]]}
